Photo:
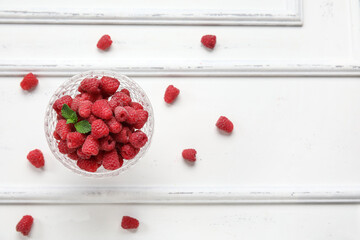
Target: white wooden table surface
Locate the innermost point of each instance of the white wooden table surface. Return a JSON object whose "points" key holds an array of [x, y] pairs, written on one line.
{"points": [[286, 72]]}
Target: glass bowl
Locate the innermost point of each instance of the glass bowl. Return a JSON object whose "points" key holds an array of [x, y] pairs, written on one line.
{"points": [[70, 87]]}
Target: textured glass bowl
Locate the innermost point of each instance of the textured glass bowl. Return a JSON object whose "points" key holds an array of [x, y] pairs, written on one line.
{"points": [[70, 88]]}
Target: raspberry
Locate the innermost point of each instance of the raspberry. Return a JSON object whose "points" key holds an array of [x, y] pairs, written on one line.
{"points": [[36, 158], [62, 129], [56, 135], [123, 136], [99, 158], [91, 119], [122, 98], [128, 151], [104, 42], [76, 103], [85, 108], [124, 90], [138, 139], [113, 104], [75, 139], [29, 82], [120, 114], [99, 129], [91, 97], [90, 146], [171, 94], [225, 124], [89, 165], [109, 85], [90, 85], [131, 118], [63, 148], [209, 41], [80, 153], [189, 154], [25, 224], [58, 104], [129, 223], [141, 118], [101, 109], [73, 156], [114, 126], [107, 143], [111, 160], [136, 105]]}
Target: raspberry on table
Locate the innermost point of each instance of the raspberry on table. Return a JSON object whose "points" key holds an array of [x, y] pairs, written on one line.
{"points": [[141, 118], [25, 224], [225, 124], [73, 156], [171, 94], [124, 90], [90, 146], [128, 151], [109, 85], [104, 42], [129, 222], [114, 125], [209, 41], [90, 85], [189, 154], [136, 105], [99, 129], [131, 117], [107, 143], [85, 108], [121, 114], [111, 160], [36, 158], [138, 139], [75, 139], [123, 136], [89, 165], [58, 104], [29, 82], [101, 109], [62, 128], [80, 153]]}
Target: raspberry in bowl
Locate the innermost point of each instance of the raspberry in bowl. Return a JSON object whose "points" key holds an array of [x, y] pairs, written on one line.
{"points": [[99, 123]]}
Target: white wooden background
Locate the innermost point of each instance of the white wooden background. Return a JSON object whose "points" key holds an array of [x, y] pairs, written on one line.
{"points": [[292, 95]]}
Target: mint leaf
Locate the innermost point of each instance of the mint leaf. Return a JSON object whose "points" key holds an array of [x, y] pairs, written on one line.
{"points": [[68, 114], [83, 126]]}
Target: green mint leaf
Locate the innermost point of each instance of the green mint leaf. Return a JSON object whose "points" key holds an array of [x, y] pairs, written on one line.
{"points": [[68, 114], [83, 126]]}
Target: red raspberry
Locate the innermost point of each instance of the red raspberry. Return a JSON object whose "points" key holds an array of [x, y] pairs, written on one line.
{"points": [[109, 85], [75, 139], [85, 108], [111, 160], [120, 114], [209, 41], [101, 109], [124, 90], [62, 128], [225, 124], [136, 105], [80, 153], [128, 151], [90, 146], [91, 97], [107, 143], [114, 126], [123, 136], [58, 104], [131, 118], [129, 223], [36, 158], [25, 224], [29, 82], [91, 119], [63, 148], [122, 98], [99, 158], [141, 118], [89, 165], [73, 156], [104, 42], [171, 94], [76, 103], [56, 135], [99, 129], [138, 139], [90, 85], [189, 154]]}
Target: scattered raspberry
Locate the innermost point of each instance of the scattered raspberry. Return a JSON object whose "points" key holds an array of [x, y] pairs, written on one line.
{"points": [[141, 118], [58, 104], [189, 154], [225, 124], [101, 109], [89, 165], [123, 136], [90, 146], [73, 156], [75, 139], [109, 85], [80, 153], [171, 94], [104, 42], [209, 41], [56, 135], [129, 223], [124, 90], [122, 98], [128, 151], [138, 139], [114, 126], [29, 82], [91, 119], [111, 160], [36, 158], [62, 129], [25, 224], [85, 108], [63, 148], [136, 105], [121, 114], [90, 85], [76, 103], [131, 118], [99, 129], [107, 143]]}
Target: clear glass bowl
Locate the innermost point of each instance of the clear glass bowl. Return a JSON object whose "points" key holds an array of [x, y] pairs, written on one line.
{"points": [[70, 88]]}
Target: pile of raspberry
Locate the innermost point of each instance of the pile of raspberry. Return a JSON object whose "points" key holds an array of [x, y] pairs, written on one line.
{"points": [[116, 123]]}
